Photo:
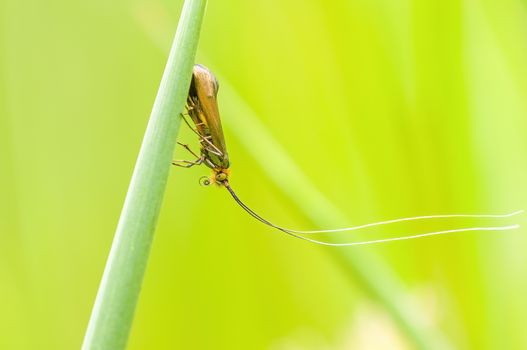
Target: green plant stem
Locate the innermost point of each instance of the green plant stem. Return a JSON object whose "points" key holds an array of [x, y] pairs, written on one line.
{"points": [[113, 312], [368, 269]]}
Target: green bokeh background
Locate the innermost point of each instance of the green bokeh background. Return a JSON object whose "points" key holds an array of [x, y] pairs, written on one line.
{"points": [[390, 108]]}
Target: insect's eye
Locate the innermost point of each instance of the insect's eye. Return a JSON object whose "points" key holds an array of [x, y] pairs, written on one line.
{"points": [[220, 177]]}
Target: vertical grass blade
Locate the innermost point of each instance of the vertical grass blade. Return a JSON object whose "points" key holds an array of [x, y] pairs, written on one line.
{"points": [[113, 312]]}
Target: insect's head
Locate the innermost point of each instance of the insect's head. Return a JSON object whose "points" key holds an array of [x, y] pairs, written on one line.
{"points": [[218, 177]]}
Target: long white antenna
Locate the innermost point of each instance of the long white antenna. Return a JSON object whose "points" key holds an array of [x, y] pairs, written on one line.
{"points": [[384, 240], [414, 218], [298, 233]]}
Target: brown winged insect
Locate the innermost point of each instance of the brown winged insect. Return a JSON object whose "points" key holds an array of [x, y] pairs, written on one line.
{"points": [[202, 108]]}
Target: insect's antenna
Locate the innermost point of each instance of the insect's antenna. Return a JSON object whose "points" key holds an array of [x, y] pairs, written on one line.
{"points": [[297, 233], [262, 220], [249, 210], [414, 218]]}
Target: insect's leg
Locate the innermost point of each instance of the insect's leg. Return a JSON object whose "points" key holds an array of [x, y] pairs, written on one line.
{"points": [[212, 148], [211, 164], [188, 124], [185, 146], [209, 145], [187, 163]]}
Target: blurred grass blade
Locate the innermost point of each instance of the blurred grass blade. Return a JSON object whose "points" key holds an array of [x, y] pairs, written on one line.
{"points": [[114, 307], [368, 269]]}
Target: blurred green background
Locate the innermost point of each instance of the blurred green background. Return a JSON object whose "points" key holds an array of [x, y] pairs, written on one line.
{"points": [[389, 108]]}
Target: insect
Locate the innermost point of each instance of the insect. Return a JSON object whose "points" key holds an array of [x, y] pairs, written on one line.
{"points": [[202, 108]]}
